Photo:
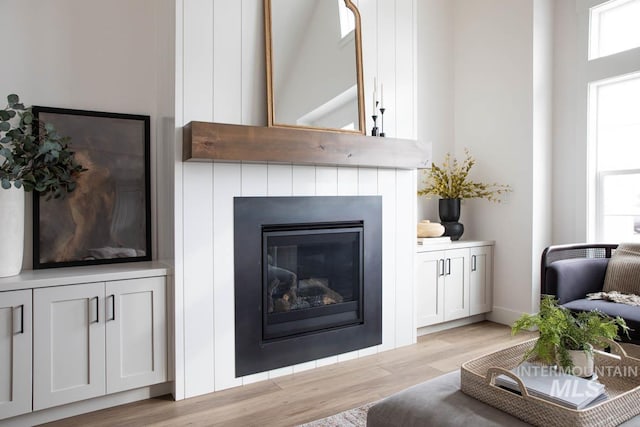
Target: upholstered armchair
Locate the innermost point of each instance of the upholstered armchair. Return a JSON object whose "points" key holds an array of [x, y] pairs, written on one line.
{"points": [[570, 272]]}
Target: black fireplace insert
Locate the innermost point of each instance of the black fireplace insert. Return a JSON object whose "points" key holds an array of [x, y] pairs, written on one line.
{"points": [[307, 278]]}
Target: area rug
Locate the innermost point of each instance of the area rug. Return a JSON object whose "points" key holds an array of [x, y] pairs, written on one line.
{"points": [[356, 417]]}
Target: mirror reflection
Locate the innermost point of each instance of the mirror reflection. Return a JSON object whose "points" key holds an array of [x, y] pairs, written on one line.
{"points": [[314, 69]]}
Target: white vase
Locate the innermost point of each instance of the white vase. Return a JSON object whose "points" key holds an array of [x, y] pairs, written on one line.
{"points": [[12, 226], [582, 363]]}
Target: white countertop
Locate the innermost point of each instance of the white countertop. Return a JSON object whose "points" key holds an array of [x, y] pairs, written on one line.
{"points": [[85, 274], [458, 244]]}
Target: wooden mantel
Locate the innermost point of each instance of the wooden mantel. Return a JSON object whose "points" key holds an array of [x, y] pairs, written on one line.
{"points": [[225, 142]]}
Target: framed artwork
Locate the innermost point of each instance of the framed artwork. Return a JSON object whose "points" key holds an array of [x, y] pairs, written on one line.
{"points": [[107, 219]]}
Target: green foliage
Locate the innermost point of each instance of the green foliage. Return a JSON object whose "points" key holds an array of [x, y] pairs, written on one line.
{"points": [[35, 156], [561, 331], [451, 181]]}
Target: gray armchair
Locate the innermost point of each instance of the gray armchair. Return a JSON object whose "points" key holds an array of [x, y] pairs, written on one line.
{"points": [[570, 272]]}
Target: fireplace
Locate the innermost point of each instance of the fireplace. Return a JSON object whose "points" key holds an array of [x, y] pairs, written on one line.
{"points": [[307, 278]]}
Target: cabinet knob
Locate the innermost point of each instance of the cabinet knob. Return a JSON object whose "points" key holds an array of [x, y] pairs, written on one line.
{"points": [[441, 267], [473, 263], [448, 266]]}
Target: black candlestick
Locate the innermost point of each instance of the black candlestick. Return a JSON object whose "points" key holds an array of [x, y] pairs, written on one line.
{"points": [[374, 130], [382, 121]]}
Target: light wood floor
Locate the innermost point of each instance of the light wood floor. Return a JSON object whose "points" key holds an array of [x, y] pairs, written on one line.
{"points": [[307, 396]]}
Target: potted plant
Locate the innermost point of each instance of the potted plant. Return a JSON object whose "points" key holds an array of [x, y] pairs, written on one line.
{"points": [[33, 157], [568, 339], [451, 183]]}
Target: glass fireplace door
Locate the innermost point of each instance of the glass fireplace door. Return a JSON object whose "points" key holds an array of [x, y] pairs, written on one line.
{"points": [[312, 278]]}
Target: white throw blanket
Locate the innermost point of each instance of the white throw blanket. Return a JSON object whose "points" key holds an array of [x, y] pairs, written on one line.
{"points": [[615, 296]]}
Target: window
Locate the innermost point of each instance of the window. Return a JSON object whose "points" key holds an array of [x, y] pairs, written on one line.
{"points": [[614, 27], [614, 123]]}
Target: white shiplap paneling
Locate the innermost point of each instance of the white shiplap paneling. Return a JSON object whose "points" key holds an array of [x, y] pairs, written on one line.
{"points": [[226, 185], [198, 274], [254, 180], [326, 181], [347, 181], [304, 180], [197, 61], [253, 72], [387, 188], [406, 189], [254, 184], [221, 78], [279, 180], [227, 61]]}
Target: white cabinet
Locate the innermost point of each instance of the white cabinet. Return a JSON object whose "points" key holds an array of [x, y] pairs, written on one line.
{"points": [[15, 353], [453, 281], [97, 338], [481, 279], [442, 286], [456, 284], [136, 333], [68, 345], [429, 288]]}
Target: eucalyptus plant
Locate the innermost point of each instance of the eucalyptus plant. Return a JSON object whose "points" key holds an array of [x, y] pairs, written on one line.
{"points": [[561, 331], [451, 181], [36, 157]]}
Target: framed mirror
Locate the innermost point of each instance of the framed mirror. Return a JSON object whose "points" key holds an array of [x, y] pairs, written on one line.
{"points": [[314, 65]]}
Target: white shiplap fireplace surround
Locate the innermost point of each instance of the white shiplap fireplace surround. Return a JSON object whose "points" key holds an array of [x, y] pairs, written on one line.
{"points": [[220, 77], [211, 189]]}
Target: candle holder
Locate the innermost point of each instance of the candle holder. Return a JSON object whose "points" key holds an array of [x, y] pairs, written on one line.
{"points": [[382, 121], [374, 130]]}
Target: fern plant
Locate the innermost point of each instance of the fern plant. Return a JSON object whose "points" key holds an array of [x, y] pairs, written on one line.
{"points": [[561, 330]]}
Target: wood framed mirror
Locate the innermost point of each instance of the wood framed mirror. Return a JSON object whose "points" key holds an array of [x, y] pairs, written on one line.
{"points": [[314, 65]]}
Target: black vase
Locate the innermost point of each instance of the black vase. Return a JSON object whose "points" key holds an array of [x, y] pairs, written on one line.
{"points": [[449, 211]]}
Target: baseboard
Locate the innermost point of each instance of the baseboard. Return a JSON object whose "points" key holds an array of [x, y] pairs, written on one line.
{"points": [[89, 405], [452, 324], [503, 316]]}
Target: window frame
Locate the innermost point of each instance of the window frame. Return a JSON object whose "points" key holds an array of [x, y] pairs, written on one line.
{"points": [[595, 72]]}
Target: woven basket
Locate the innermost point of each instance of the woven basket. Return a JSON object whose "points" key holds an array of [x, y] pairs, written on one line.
{"points": [[617, 371]]}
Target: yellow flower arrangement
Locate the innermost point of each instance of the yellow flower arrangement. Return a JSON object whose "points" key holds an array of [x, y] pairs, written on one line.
{"points": [[451, 181]]}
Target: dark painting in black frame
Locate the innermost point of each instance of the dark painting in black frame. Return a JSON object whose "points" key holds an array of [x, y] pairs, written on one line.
{"points": [[107, 219]]}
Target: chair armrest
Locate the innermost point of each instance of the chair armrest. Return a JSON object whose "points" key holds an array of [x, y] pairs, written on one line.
{"points": [[573, 279], [556, 253]]}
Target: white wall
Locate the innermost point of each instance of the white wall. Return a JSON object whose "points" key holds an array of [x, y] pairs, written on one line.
{"points": [[435, 86], [89, 55], [542, 139], [220, 77], [485, 83], [569, 154]]}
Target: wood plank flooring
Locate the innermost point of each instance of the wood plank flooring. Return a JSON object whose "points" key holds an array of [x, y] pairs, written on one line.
{"points": [[307, 396]]}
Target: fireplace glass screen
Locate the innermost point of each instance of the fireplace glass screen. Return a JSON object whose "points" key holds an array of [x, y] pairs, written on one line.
{"points": [[312, 278]]}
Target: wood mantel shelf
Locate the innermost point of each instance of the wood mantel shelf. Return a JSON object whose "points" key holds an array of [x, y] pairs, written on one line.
{"points": [[225, 142]]}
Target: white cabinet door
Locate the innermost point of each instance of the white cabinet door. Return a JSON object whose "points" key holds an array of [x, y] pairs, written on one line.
{"points": [[429, 292], [15, 353], [68, 344], [456, 284], [136, 333], [481, 279]]}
